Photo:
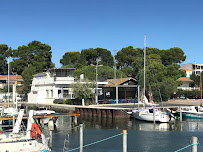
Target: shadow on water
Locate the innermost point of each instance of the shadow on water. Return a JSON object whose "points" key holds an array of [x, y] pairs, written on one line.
{"points": [[142, 136]]}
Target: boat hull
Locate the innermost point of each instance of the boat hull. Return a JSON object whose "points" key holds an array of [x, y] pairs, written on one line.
{"points": [[193, 115], [146, 116]]}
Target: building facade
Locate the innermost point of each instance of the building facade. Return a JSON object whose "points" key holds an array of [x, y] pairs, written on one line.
{"points": [[50, 85], [190, 68], [55, 84]]}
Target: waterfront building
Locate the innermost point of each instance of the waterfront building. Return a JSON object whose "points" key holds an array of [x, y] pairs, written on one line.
{"points": [[14, 81], [126, 90], [186, 83], [54, 84], [50, 85], [190, 68]]}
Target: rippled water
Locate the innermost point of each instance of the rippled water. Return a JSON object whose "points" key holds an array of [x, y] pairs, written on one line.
{"points": [[142, 136]]}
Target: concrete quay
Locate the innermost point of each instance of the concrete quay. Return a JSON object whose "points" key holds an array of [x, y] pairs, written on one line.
{"points": [[110, 110]]}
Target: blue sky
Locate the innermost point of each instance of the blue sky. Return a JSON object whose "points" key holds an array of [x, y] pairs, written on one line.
{"points": [[73, 25]]}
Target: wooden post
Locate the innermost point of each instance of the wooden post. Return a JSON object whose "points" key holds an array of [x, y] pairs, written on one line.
{"points": [[50, 143], [181, 116], [81, 137], [154, 114], [76, 120], [194, 141], [42, 123], [124, 140]]}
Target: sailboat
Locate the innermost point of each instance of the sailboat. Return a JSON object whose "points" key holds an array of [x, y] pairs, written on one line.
{"points": [[194, 111], [30, 140], [149, 114]]}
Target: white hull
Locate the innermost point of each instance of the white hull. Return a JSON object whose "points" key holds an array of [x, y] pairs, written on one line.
{"points": [[192, 112], [22, 146], [147, 116]]}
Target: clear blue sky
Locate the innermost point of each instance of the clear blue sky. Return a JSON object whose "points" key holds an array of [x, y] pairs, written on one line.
{"points": [[73, 25]]}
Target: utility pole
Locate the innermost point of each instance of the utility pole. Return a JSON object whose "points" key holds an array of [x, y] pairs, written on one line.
{"points": [[97, 60], [116, 87]]}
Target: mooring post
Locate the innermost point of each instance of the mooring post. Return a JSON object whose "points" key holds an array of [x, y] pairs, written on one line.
{"points": [[51, 128], [13, 121], [154, 114], [124, 140], [194, 142], [181, 115], [81, 137]]}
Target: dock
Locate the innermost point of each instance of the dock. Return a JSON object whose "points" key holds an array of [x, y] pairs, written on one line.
{"points": [[43, 116]]}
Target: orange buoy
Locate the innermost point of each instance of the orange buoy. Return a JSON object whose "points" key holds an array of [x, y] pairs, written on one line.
{"points": [[35, 131]]}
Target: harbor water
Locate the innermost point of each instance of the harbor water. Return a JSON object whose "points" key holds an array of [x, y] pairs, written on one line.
{"points": [[141, 137]]}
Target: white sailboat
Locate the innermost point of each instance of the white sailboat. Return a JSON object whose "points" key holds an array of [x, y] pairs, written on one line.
{"points": [[149, 114], [23, 141]]}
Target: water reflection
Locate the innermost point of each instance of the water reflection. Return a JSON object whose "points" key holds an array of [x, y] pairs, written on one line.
{"points": [[141, 135], [132, 124]]}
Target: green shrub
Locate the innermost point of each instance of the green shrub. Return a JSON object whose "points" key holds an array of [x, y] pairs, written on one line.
{"points": [[72, 101], [190, 94], [59, 101]]}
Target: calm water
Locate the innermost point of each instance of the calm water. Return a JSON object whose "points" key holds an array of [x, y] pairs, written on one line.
{"points": [[142, 136]]}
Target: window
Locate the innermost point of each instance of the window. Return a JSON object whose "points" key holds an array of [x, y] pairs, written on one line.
{"points": [[47, 91], [51, 93]]}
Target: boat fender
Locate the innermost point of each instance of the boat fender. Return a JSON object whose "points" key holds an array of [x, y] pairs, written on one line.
{"points": [[35, 131]]}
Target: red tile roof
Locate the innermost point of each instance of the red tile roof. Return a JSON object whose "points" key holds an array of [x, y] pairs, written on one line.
{"points": [[11, 77], [111, 82], [185, 79]]}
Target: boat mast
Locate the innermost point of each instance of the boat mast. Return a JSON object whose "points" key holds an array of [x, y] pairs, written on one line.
{"points": [[144, 61], [201, 87], [8, 98]]}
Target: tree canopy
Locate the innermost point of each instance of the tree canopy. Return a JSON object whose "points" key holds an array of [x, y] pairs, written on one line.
{"points": [[104, 72], [4, 53], [31, 59], [87, 57]]}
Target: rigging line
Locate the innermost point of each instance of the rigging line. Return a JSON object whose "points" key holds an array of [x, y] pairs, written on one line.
{"points": [[139, 78], [97, 142], [185, 147]]}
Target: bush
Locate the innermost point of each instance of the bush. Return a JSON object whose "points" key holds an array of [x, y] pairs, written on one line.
{"points": [[193, 94], [72, 101], [59, 101]]}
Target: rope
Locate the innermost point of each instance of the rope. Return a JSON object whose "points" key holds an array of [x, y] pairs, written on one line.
{"points": [[185, 147], [97, 142]]}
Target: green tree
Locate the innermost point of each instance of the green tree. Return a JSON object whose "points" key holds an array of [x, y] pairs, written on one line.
{"points": [[35, 54], [70, 58], [31, 59], [27, 75], [4, 53], [82, 89], [196, 80], [90, 55], [172, 55], [104, 72]]}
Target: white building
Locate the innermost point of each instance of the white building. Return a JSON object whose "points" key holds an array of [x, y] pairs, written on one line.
{"points": [[186, 83], [54, 84], [192, 68]]}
